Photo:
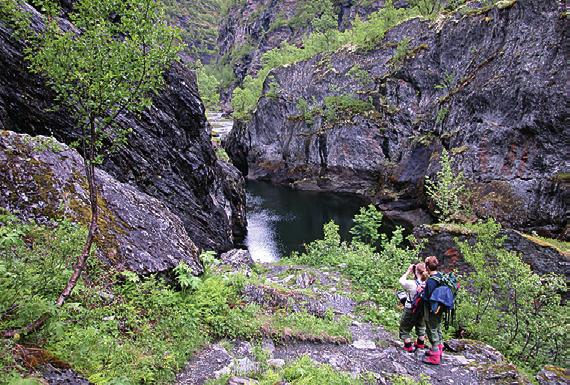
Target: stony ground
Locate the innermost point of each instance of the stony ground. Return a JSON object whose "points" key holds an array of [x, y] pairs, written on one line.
{"points": [[371, 349]]}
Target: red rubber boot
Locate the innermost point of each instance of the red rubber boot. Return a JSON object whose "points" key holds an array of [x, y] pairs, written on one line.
{"points": [[433, 359]]}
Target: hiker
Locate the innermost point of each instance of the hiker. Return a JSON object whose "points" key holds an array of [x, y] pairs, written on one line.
{"points": [[432, 318], [412, 317]]}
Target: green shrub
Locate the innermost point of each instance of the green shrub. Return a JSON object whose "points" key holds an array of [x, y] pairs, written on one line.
{"points": [[447, 190], [208, 86], [509, 306], [337, 107]]}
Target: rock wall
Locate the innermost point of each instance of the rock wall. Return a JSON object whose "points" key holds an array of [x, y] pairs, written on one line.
{"points": [[43, 179], [489, 86], [169, 155]]}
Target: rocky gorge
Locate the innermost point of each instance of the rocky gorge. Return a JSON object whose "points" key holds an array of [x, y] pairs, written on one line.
{"points": [[173, 300], [429, 85]]}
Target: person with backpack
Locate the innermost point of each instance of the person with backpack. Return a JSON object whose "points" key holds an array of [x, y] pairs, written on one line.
{"points": [[432, 319], [438, 298], [412, 317]]}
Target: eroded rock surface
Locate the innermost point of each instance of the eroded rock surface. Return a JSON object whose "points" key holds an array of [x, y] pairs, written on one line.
{"points": [[487, 86], [42, 179]]}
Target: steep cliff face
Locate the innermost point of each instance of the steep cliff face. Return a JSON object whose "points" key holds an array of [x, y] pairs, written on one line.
{"points": [[254, 27], [487, 86], [169, 155]]}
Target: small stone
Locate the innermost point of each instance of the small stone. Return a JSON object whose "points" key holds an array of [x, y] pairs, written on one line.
{"points": [[461, 360], [241, 381], [364, 344], [109, 318], [276, 363], [244, 366], [399, 368]]}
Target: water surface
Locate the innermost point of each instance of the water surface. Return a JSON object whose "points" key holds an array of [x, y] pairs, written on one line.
{"points": [[281, 220]]}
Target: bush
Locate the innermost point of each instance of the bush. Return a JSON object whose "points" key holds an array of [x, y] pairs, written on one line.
{"points": [[446, 192], [208, 86], [509, 306]]}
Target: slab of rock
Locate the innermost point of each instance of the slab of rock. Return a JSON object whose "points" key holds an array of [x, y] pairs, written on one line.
{"points": [[237, 258], [42, 179]]}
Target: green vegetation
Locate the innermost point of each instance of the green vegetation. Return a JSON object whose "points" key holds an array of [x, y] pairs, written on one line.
{"points": [[117, 327], [208, 86], [441, 115], [510, 307], [364, 35], [401, 52], [447, 190], [344, 106], [562, 246]]}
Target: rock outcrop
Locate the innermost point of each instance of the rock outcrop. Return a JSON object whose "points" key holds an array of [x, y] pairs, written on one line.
{"points": [[43, 179], [169, 155], [488, 85], [543, 258]]}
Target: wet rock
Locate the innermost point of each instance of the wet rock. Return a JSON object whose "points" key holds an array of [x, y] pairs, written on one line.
{"points": [[553, 375], [41, 179], [505, 132], [169, 155]]}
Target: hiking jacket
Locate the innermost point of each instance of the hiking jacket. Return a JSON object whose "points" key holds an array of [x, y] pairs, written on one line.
{"points": [[441, 295]]}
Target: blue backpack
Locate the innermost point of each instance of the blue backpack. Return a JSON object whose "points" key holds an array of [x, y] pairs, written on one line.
{"points": [[442, 299]]}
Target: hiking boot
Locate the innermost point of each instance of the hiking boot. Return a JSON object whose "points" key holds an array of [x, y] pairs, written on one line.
{"points": [[420, 344], [433, 353], [409, 347], [432, 359]]}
